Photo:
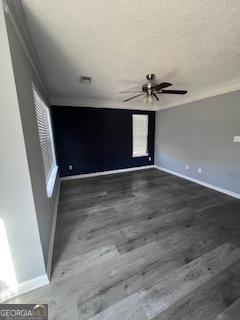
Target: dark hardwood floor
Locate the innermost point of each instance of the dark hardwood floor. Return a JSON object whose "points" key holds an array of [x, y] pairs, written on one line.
{"points": [[143, 245]]}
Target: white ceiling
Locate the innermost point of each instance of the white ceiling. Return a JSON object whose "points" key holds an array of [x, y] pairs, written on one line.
{"points": [[193, 44]]}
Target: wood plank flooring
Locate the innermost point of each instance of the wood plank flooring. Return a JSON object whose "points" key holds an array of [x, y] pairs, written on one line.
{"points": [[143, 245]]}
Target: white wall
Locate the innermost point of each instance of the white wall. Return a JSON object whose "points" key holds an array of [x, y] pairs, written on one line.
{"points": [[17, 208]]}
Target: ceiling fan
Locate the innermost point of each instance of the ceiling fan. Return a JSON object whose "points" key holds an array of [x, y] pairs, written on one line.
{"points": [[151, 89]]}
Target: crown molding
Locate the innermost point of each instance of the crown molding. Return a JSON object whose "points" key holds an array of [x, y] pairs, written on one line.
{"points": [[15, 15], [95, 103], [212, 92], [79, 102]]}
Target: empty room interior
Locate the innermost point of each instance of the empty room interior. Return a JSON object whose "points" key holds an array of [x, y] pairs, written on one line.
{"points": [[120, 159]]}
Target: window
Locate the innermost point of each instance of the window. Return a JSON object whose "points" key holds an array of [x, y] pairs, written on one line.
{"points": [[46, 140], [140, 135]]}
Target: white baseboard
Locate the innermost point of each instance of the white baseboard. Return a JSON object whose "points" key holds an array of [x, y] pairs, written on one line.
{"points": [[88, 175], [51, 242], [205, 184], [25, 287], [44, 279]]}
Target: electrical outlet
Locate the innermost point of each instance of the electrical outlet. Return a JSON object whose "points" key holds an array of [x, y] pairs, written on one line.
{"points": [[70, 167], [236, 139], [187, 167], [199, 170]]}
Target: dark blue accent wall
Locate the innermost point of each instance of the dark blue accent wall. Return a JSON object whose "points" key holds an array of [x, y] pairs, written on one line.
{"points": [[97, 139]]}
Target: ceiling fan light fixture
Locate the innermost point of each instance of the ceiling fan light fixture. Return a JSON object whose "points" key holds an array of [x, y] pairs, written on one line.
{"points": [[150, 99], [151, 90]]}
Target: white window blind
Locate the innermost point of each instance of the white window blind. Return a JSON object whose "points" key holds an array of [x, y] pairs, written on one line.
{"points": [[140, 135], [45, 134]]}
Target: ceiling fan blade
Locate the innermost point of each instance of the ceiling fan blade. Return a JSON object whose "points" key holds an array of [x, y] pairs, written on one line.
{"points": [[156, 96], [130, 91], [162, 85], [173, 91], [142, 94]]}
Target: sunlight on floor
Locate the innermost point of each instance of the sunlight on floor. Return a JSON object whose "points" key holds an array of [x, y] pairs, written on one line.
{"points": [[7, 272]]}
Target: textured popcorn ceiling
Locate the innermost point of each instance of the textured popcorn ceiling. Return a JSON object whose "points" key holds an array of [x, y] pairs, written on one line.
{"points": [[193, 44]]}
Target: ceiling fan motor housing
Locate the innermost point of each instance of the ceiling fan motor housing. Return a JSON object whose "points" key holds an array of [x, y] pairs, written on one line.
{"points": [[148, 87]]}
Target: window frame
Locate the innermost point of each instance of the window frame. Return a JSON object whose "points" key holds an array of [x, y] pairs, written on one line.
{"points": [[146, 153], [50, 178]]}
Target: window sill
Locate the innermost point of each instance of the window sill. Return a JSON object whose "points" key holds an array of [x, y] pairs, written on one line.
{"points": [[137, 155], [51, 181]]}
